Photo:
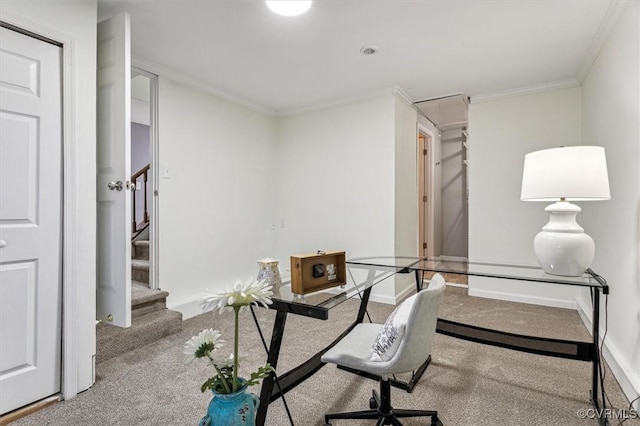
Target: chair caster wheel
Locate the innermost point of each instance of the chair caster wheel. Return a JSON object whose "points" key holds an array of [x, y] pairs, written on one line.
{"points": [[327, 424], [372, 403]]}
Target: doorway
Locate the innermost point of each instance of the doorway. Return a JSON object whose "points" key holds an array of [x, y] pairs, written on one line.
{"points": [[425, 192], [448, 206], [144, 176]]}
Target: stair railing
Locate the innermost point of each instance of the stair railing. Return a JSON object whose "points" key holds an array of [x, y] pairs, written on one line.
{"points": [[140, 181]]}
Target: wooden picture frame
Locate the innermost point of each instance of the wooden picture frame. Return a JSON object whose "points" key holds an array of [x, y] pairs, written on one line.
{"points": [[318, 271]]}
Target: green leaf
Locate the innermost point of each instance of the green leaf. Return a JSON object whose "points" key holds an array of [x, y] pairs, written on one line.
{"points": [[209, 384], [263, 372]]}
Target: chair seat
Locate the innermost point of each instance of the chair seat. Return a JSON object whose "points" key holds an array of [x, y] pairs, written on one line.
{"points": [[354, 350]]}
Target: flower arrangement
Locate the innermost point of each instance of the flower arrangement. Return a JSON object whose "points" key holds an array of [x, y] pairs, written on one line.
{"points": [[206, 344]]}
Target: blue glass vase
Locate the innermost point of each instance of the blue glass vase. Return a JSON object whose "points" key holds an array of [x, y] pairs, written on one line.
{"points": [[232, 409]]}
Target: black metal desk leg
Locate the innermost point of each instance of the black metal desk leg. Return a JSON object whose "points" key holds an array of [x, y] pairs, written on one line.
{"points": [[594, 334], [364, 302], [595, 365], [272, 358], [419, 283]]}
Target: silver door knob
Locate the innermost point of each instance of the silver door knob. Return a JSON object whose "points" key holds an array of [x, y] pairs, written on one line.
{"points": [[3, 243], [115, 185]]}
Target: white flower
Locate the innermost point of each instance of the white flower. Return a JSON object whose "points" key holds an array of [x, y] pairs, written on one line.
{"points": [[222, 362], [205, 343], [242, 295], [208, 341]]}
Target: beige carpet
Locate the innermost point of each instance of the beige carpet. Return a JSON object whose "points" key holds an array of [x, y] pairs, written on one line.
{"points": [[468, 383]]}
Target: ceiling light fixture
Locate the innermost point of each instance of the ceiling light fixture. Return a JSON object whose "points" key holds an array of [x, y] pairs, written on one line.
{"points": [[289, 7], [368, 50]]}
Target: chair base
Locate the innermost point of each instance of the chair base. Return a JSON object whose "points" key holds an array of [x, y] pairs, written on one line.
{"points": [[382, 410]]}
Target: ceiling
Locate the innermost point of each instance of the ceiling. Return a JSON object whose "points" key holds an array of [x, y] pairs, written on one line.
{"points": [[243, 52]]}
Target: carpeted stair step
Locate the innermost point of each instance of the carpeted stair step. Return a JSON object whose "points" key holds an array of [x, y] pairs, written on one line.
{"points": [[140, 271], [140, 249], [145, 300], [112, 341]]}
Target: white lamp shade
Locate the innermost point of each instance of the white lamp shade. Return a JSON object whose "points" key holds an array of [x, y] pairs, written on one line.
{"points": [[575, 173]]}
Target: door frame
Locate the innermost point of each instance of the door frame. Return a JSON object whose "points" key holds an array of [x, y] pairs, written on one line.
{"points": [[70, 232], [154, 281], [425, 216]]}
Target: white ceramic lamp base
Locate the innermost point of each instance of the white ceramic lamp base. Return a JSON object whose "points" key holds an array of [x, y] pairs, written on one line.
{"points": [[562, 247]]}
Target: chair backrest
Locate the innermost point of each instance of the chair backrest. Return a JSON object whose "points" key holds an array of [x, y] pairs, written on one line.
{"points": [[421, 327]]}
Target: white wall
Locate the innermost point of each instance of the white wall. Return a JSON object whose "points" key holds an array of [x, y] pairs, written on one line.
{"points": [[75, 23], [217, 208], [611, 118], [501, 227], [140, 98], [140, 146], [336, 179]]}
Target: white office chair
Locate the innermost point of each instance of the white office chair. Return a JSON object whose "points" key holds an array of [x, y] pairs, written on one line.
{"points": [[355, 351]]}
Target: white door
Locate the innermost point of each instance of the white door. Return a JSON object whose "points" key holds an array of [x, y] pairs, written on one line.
{"points": [[30, 219], [114, 171]]}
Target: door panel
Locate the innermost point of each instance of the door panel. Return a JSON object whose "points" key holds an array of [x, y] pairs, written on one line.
{"points": [[114, 165], [19, 168], [425, 194], [30, 219], [18, 309]]}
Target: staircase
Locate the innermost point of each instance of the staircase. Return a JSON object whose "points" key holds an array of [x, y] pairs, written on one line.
{"points": [[150, 318]]}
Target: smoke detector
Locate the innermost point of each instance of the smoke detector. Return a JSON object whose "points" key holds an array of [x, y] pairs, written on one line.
{"points": [[368, 50]]}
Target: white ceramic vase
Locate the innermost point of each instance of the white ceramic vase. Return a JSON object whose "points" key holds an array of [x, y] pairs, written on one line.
{"points": [[269, 272]]}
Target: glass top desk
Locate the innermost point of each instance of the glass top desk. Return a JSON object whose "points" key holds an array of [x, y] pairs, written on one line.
{"points": [[377, 269]]}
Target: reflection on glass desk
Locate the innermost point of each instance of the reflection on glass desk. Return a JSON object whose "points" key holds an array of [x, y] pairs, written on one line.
{"points": [[315, 304], [318, 304]]}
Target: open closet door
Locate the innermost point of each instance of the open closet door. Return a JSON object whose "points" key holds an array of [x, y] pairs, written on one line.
{"points": [[114, 171]]}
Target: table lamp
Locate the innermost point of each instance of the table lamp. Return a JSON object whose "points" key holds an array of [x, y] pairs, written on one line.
{"points": [[572, 173]]}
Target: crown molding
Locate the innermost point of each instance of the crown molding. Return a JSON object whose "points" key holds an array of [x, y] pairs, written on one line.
{"points": [[602, 34], [177, 77], [554, 85], [349, 100], [405, 96], [194, 83]]}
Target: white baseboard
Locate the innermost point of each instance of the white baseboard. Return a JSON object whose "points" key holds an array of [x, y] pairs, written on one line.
{"points": [[620, 369], [523, 298], [188, 309], [387, 300], [445, 258], [457, 285]]}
